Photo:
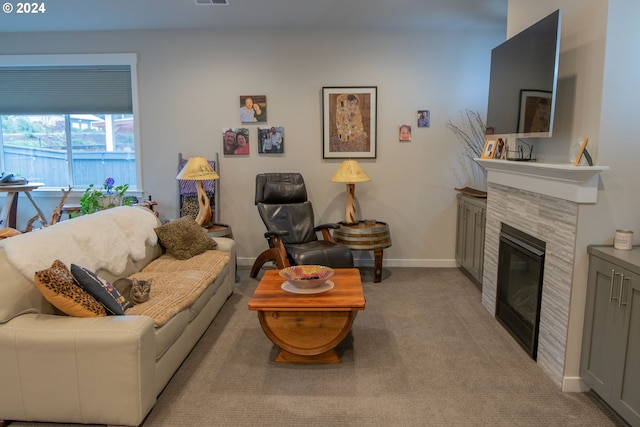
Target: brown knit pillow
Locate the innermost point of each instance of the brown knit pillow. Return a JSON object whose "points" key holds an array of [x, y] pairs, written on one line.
{"points": [[184, 238], [59, 287]]}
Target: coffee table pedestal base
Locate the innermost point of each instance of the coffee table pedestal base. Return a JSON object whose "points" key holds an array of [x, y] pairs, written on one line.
{"points": [[306, 336]]}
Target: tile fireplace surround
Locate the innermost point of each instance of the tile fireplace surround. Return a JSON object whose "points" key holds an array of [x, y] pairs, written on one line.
{"points": [[541, 200]]}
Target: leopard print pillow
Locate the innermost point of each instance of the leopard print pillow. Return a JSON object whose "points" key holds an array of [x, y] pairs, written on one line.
{"points": [[59, 287]]}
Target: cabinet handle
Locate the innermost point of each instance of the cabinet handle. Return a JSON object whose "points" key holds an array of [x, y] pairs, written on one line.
{"points": [[613, 278], [622, 279]]}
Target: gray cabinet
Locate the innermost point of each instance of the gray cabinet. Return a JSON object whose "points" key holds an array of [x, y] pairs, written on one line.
{"points": [[470, 236], [610, 360]]}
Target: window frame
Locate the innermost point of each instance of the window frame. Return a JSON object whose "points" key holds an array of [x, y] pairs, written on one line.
{"points": [[97, 59]]}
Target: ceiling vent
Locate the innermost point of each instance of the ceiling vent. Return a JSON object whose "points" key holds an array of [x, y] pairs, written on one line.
{"points": [[211, 2]]}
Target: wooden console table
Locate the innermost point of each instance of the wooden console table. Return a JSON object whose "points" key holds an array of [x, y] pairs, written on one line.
{"points": [[8, 216], [365, 236]]}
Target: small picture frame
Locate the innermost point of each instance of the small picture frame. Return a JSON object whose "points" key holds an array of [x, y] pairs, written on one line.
{"points": [[235, 141], [582, 151], [424, 118], [404, 133], [271, 140], [535, 112], [489, 149], [253, 108], [500, 151]]}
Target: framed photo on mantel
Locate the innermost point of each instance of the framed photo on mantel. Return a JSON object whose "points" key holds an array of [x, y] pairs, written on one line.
{"points": [[489, 148]]}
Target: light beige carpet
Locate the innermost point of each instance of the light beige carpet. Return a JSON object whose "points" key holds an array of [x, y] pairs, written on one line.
{"points": [[423, 353]]}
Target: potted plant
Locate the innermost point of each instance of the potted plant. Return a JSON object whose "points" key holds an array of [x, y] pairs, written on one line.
{"points": [[95, 199]]}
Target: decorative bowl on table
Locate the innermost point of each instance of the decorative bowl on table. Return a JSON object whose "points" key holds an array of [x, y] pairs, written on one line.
{"points": [[306, 276]]}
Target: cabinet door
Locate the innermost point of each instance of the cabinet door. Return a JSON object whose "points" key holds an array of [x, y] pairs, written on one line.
{"points": [[470, 237], [472, 216], [602, 318], [478, 243], [460, 237], [626, 387]]}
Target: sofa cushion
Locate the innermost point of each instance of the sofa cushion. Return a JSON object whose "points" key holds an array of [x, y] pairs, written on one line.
{"points": [[104, 292], [59, 287], [170, 293], [184, 238], [177, 284]]}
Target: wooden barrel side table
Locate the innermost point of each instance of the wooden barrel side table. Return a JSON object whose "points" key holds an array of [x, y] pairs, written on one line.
{"points": [[366, 236], [219, 230]]}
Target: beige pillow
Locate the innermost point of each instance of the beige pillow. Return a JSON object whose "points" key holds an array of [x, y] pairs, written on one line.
{"points": [[184, 238], [59, 287]]}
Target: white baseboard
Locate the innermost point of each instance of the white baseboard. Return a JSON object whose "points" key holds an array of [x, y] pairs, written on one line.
{"points": [[436, 263], [368, 262], [574, 385]]}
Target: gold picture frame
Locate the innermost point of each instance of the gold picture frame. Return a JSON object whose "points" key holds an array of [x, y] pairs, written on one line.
{"points": [[489, 149], [581, 152]]}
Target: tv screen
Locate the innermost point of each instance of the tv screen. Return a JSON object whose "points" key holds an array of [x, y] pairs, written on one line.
{"points": [[522, 82]]}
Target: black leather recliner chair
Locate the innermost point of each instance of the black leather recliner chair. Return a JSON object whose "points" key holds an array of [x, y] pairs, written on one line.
{"points": [[288, 215]]}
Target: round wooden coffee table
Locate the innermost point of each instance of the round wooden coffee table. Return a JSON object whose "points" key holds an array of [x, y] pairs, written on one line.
{"points": [[308, 327]]}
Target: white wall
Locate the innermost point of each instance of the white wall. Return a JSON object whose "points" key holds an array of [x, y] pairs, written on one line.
{"points": [[596, 97], [189, 88]]}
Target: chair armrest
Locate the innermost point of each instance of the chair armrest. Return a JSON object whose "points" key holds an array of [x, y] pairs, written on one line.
{"points": [[326, 235], [327, 226], [275, 233]]}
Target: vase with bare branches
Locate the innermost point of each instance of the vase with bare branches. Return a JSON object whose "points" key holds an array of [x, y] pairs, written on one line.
{"points": [[471, 135]]}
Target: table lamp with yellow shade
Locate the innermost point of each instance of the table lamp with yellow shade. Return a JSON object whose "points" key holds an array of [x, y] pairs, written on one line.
{"points": [[198, 169], [350, 172]]}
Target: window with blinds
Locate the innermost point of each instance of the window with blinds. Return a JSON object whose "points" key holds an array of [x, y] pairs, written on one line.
{"points": [[69, 124]]}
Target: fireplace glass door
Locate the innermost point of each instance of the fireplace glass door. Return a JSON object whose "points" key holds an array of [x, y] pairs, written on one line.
{"points": [[520, 272]]}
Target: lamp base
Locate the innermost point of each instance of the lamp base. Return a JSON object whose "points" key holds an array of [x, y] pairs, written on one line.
{"points": [[351, 204], [204, 213]]}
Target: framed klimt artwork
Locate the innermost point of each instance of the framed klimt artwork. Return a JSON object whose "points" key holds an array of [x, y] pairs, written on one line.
{"points": [[535, 111], [253, 109], [349, 122], [271, 140]]}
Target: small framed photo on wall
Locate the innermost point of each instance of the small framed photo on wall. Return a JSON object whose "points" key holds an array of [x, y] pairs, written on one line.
{"points": [[535, 111], [271, 140], [235, 141], [253, 108], [404, 133], [424, 118]]}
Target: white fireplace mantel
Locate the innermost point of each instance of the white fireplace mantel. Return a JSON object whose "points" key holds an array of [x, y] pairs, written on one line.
{"points": [[564, 181]]}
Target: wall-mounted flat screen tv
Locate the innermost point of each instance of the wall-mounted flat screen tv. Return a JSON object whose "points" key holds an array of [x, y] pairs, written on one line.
{"points": [[522, 83]]}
